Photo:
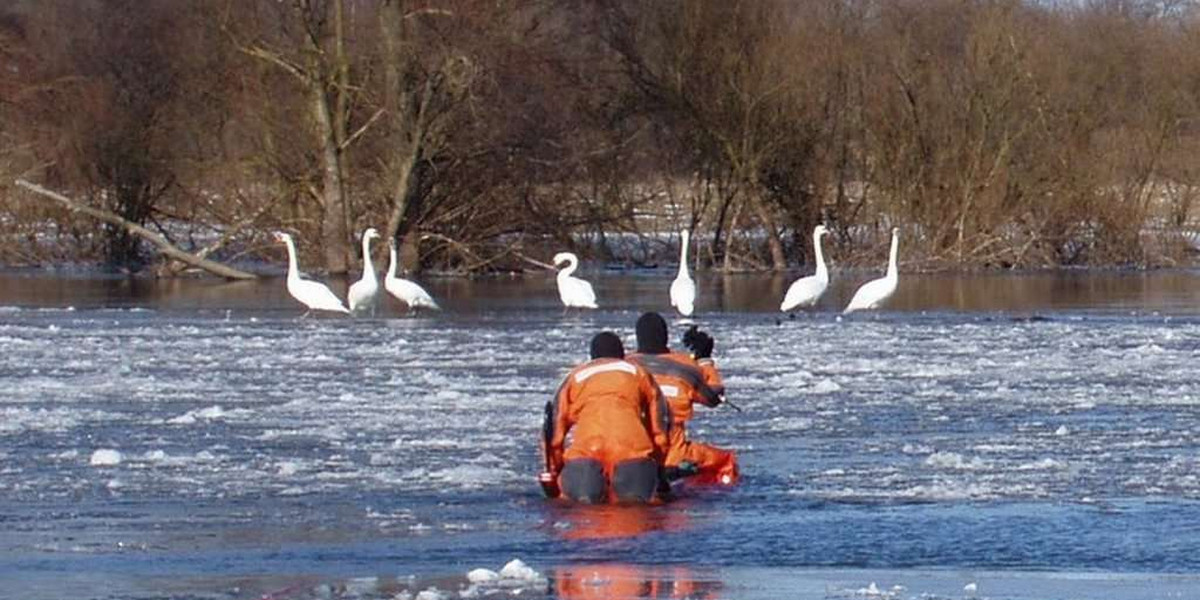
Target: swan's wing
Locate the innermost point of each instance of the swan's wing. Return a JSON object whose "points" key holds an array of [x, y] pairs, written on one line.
{"points": [[362, 294], [803, 292], [868, 296], [686, 307], [585, 295], [389, 286], [683, 292], [683, 295], [397, 287], [318, 296], [410, 293], [422, 297]]}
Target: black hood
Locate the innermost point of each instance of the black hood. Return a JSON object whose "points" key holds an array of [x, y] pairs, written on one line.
{"points": [[606, 344], [652, 334]]}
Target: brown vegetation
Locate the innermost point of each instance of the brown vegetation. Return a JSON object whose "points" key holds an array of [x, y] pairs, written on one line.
{"points": [[998, 133]]}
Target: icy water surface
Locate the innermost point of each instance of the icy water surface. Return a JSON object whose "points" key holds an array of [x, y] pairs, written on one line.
{"points": [[990, 437]]}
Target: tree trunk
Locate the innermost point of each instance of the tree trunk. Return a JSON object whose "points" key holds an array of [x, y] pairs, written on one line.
{"points": [[330, 115], [334, 236], [327, 82], [407, 117], [770, 227], [410, 253], [727, 260], [400, 191]]}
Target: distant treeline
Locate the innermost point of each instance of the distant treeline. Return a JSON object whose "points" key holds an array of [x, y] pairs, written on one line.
{"points": [[482, 133]]}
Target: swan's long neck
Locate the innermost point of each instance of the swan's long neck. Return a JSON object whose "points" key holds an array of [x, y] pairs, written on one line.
{"points": [[391, 274], [368, 268], [293, 269], [892, 271], [572, 264], [822, 271], [683, 253]]}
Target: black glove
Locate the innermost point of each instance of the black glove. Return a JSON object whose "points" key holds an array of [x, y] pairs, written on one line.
{"points": [[689, 336], [700, 342]]}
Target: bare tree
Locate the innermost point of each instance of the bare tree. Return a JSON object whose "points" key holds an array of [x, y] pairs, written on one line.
{"points": [[722, 71], [99, 109], [310, 44], [427, 78], [1000, 132]]}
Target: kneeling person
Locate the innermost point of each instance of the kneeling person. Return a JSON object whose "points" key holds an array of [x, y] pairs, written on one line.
{"points": [[618, 423], [685, 381]]}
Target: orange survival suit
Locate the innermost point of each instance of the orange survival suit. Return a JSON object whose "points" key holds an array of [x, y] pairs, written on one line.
{"points": [[618, 424], [683, 382]]}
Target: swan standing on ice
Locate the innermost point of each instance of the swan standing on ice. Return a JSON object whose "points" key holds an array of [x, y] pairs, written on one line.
{"points": [[363, 293], [574, 292], [313, 294], [874, 293], [683, 289], [404, 290], [805, 292]]}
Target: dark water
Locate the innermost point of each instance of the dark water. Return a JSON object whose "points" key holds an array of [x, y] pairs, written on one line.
{"points": [[1176, 291], [1032, 436]]}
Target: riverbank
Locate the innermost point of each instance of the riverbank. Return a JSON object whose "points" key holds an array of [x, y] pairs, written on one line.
{"points": [[861, 249]]}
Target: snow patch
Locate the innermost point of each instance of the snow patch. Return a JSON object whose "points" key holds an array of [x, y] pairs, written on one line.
{"points": [[826, 386], [516, 569], [432, 593], [105, 457], [210, 413], [954, 460], [1046, 464], [515, 578], [482, 576]]}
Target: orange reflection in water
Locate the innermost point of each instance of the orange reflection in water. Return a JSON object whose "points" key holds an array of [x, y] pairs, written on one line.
{"points": [[606, 521], [616, 581]]}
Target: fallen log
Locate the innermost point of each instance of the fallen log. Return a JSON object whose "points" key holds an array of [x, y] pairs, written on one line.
{"points": [[167, 248]]}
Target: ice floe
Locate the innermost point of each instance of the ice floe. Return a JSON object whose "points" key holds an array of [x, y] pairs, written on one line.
{"points": [[105, 457]]}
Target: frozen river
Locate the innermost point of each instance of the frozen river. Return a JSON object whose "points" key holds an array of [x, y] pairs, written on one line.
{"points": [[990, 436]]}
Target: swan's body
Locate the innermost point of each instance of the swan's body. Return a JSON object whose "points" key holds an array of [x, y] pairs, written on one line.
{"points": [[404, 290], [574, 292], [805, 292], [874, 293], [313, 294], [683, 289], [364, 292]]}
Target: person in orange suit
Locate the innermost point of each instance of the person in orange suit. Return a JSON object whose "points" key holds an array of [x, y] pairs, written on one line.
{"points": [[618, 424], [685, 380]]}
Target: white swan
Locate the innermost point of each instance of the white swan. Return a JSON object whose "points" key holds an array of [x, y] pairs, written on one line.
{"points": [[805, 292], [404, 290], [313, 294], [573, 291], [363, 293], [874, 293], [683, 289]]}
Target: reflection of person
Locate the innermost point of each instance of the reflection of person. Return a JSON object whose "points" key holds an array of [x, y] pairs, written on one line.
{"points": [[585, 582], [618, 425], [605, 522], [685, 381]]}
